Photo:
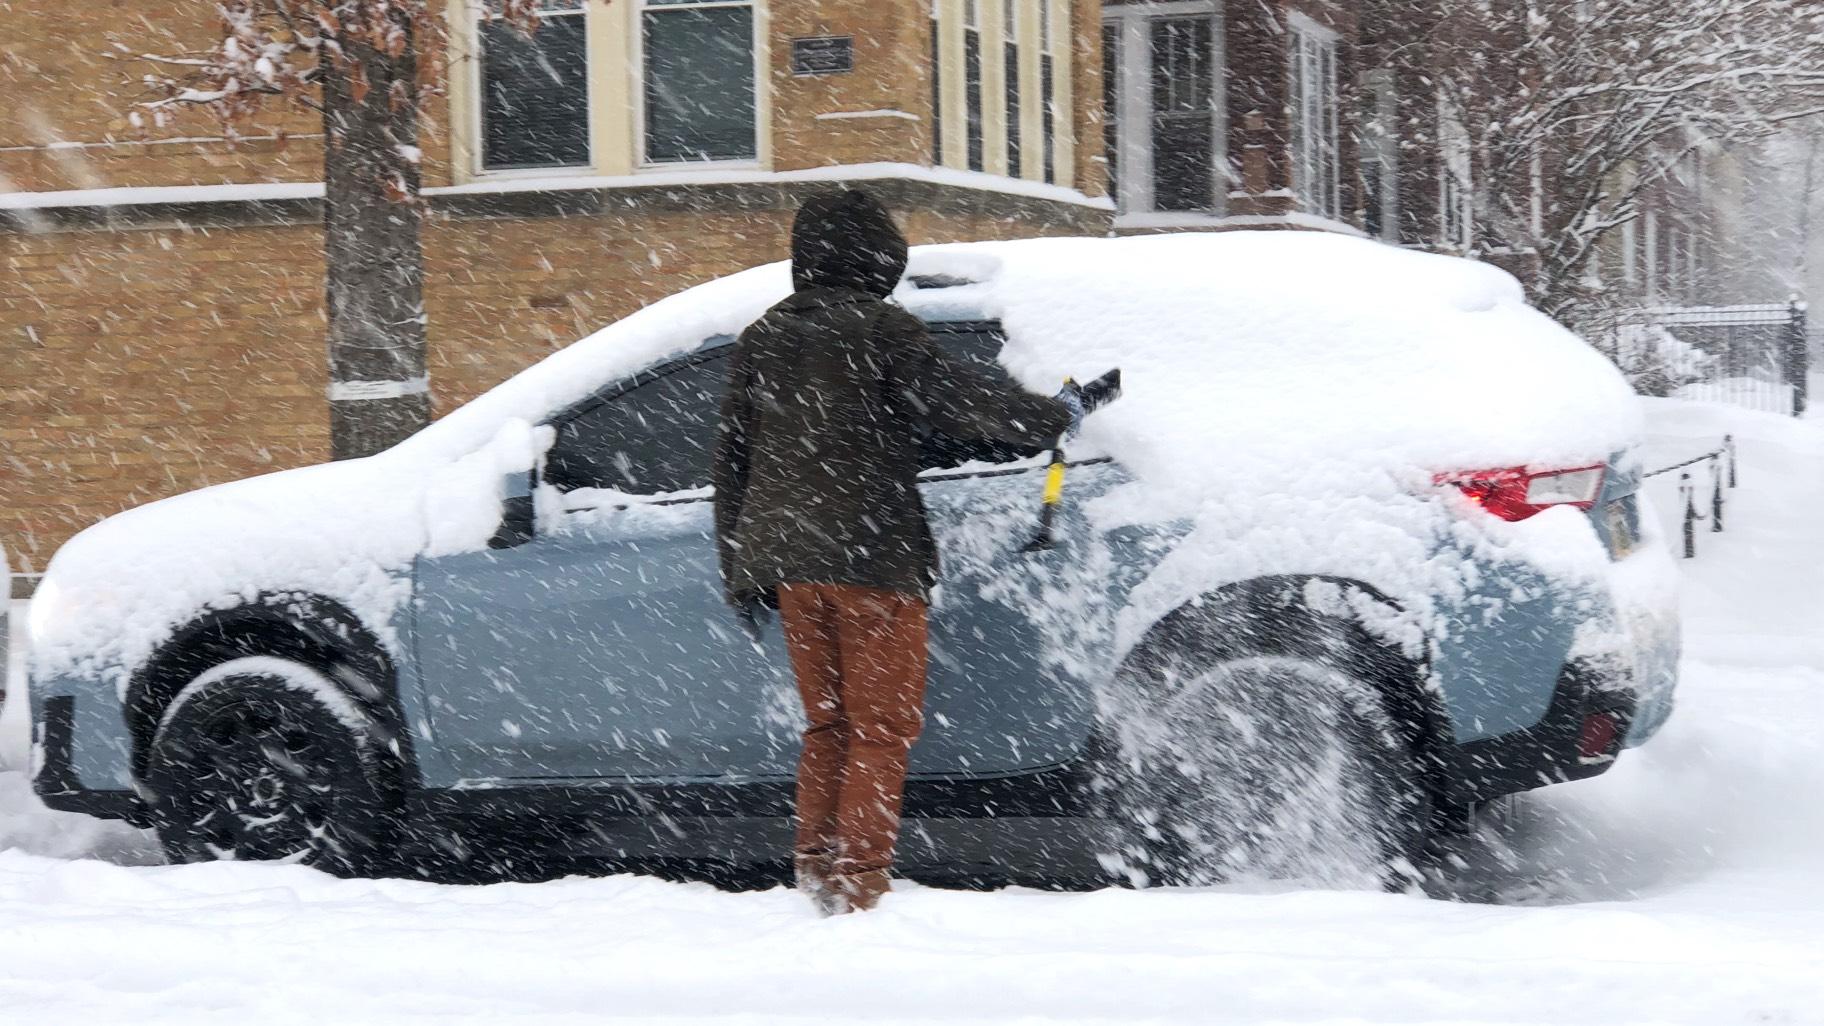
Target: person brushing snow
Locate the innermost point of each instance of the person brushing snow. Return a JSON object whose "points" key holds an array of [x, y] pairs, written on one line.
{"points": [[818, 515]]}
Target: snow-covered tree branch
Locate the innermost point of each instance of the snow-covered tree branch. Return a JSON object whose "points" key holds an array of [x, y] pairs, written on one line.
{"points": [[366, 66], [1574, 110]]}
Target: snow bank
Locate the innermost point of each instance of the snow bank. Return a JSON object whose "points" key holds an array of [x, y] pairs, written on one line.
{"points": [[1291, 393]]}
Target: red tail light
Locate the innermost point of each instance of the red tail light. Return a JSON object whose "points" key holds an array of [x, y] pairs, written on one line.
{"points": [[1517, 493], [1597, 736]]}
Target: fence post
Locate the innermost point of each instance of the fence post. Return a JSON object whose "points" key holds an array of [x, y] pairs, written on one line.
{"points": [[1798, 360], [1729, 448], [1685, 490], [1716, 496]]}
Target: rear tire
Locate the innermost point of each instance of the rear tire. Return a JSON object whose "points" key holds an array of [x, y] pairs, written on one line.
{"points": [[267, 759], [1264, 764]]}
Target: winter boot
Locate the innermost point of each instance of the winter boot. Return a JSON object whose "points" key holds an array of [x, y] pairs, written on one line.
{"points": [[814, 873], [861, 890]]}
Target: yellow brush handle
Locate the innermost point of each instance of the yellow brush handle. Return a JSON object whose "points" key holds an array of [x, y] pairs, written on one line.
{"points": [[1054, 483]]}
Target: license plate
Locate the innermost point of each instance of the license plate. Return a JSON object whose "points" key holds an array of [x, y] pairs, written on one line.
{"points": [[1622, 539]]}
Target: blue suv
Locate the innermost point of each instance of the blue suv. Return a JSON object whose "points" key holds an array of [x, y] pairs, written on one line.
{"points": [[368, 663]]}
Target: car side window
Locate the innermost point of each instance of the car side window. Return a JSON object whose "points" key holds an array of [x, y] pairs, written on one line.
{"points": [[978, 343], [656, 436]]}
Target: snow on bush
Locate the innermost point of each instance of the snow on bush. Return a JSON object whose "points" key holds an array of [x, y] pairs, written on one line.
{"points": [[1656, 361]]}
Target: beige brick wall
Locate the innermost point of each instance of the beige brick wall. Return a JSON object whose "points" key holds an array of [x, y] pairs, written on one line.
{"points": [[137, 364], [892, 72], [140, 362], [68, 89]]}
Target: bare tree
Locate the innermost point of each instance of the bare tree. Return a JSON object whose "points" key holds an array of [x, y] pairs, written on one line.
{"points": [[1574, 110], [367, 66]]}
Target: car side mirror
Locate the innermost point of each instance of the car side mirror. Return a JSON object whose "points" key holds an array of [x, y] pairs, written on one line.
{"points": [[518, 511]]}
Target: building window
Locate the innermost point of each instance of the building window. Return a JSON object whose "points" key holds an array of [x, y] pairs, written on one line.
{"points": [[1630, 267], [1456, 212], [972, 82], [699, 80], [1315, 172], [1111, 104], [937, 89], [1047, 92], [1161, 75], [1380, 155], [1184, 126], [1010, 33], [535, 91], [1651, 254]]}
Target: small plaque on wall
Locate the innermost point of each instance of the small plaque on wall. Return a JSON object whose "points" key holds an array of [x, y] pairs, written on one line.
{"points": [[823, 55]]}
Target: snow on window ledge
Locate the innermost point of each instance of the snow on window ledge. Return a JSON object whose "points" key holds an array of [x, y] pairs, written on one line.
{"points": [[706, 175], [1141, 220], [132, 195]]}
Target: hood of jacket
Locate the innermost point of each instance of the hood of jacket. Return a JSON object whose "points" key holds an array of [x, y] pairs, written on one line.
{"points": [[847, 240]]}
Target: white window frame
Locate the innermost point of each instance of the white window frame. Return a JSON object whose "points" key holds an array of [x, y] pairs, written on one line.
{"points": [[1313, 96], [1456, 179], [1380, 146], [636, 46], [1134, 122], [1630, 271], [1651, 263], [477, 115]]}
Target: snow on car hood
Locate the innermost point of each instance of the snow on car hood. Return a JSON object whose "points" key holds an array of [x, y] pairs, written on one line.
{"points": [[1290, 393]]}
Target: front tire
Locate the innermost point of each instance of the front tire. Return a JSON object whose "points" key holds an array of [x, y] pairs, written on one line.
{"points": [[1264, 762], [267, 759]]}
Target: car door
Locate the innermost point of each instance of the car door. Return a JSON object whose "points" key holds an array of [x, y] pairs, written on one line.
{"points": [[602, 648], [1017, 637]]}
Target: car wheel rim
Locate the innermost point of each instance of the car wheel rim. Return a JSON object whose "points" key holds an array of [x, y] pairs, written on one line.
{"points": [[260, 790], [1268, 779]]}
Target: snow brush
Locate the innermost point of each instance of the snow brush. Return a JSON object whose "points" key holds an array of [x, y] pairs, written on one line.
{"points": [[1093, 396]]}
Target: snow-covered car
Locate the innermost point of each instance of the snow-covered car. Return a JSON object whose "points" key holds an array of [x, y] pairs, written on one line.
{"points": [[1359, 548]]}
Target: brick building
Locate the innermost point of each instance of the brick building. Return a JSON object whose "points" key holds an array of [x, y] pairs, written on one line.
{"points": [[161, 322], [1225, 115]]}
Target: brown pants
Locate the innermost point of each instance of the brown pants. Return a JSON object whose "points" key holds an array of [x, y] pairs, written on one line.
{"points": [[859, 654]]}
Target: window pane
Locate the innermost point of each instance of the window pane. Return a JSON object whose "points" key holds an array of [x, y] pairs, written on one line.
{"points": [[1111, 105], [1315, 126], [535, 109], [972, 88], [937, 98], [1047, 118], [654, 438], [699, 83], [1013, 108], [1184, 133]]}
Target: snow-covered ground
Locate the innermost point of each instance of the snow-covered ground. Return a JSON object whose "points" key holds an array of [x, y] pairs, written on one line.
{"points": [[1686, 886]]}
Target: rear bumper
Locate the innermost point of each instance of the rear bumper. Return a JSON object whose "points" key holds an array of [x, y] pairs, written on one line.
{"points": [[1548, 751]]}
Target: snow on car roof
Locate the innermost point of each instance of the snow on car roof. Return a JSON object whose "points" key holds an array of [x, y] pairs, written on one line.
{"points": [[1323, 341]]}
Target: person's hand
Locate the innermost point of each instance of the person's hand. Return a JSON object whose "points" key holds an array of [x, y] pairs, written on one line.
{"points": [[1071, 395], [751, 614]]}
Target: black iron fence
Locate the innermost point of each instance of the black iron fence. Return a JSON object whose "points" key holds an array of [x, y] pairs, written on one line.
{"points": [[1754, 355], [1722, 476]]}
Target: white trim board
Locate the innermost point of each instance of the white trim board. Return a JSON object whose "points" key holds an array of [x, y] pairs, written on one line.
{"points": [[268, 191]]}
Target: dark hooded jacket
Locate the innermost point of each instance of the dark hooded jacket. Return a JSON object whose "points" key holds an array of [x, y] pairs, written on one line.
{"points": [[829, 393]]}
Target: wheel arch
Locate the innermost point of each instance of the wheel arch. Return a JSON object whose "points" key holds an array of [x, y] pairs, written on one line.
{"points": [[1337, 634], [310, 629]]}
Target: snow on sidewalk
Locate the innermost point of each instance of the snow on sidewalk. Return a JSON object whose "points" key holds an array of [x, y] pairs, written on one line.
{"points": [[1686, 886]]}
